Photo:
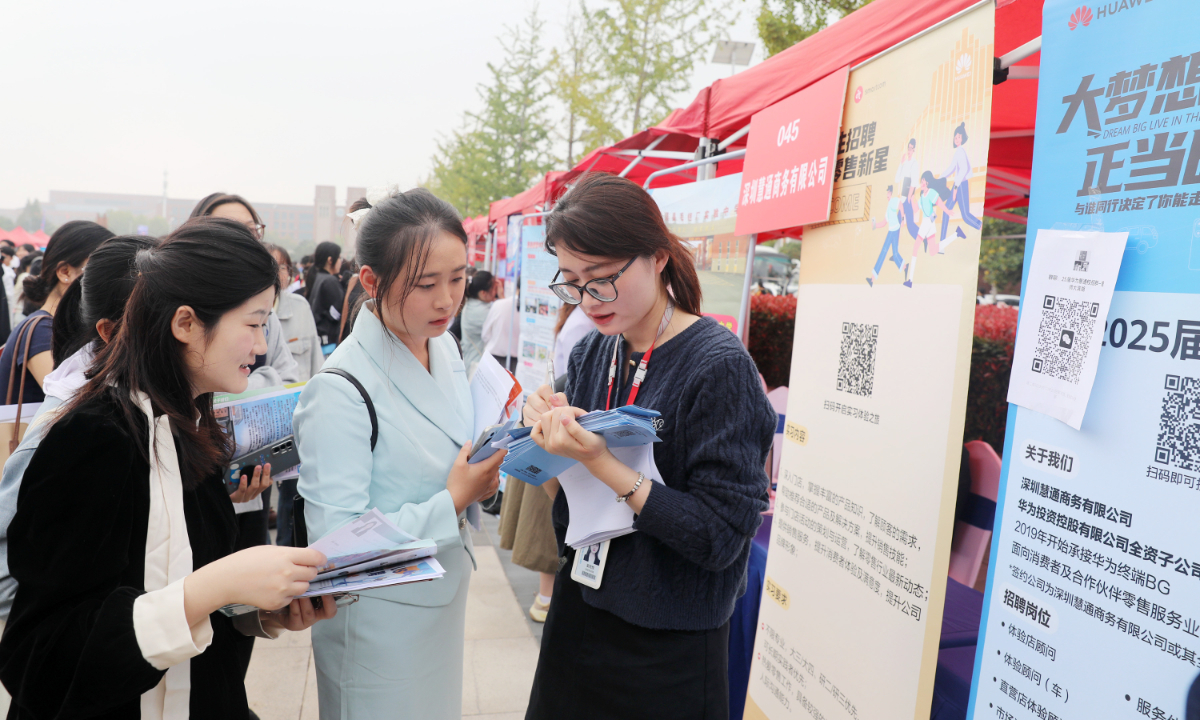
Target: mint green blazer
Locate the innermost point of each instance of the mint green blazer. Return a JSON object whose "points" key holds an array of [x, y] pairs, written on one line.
{"points": [[424, 419]]}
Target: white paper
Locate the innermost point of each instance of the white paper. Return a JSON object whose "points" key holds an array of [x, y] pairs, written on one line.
{"points": [[596, 515], [489, 393], [1064, 306]]}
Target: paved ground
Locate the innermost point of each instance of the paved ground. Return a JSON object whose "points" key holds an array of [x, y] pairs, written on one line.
{"points": [[499, 658]]}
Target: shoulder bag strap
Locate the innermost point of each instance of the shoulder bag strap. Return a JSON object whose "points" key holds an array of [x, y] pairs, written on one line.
{"points": [[28, 334], [366, 398], [300, 529]]}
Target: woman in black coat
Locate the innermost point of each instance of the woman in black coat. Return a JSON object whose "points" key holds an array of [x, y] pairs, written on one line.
{"points": [[122, 542]]}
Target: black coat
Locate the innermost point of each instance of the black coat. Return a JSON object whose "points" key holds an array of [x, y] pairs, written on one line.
{"points": [[326, 297], [77, 550]]}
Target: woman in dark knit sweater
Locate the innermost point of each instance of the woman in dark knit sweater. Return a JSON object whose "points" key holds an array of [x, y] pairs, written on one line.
{"points": [[652, 640]]}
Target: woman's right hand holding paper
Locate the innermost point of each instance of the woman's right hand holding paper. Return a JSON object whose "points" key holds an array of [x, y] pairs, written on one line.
{"points": [[265, 576]]}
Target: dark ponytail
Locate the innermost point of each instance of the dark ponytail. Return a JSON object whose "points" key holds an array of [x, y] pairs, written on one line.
{"points": [[611, 217], [482, 282], [395, 237], [325, 252], [70, 245], [101, 293]]}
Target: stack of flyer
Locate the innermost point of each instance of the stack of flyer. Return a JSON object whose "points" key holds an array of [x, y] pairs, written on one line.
{"points": [[369, 552], [628, 426]]}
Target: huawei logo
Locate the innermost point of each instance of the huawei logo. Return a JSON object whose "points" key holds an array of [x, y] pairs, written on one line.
{"points": [[1081, 16], [963, 65]]}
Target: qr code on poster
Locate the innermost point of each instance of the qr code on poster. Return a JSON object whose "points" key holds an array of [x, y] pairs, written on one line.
{"points": [[856, 364], [1064, 333], [1179, 426]]}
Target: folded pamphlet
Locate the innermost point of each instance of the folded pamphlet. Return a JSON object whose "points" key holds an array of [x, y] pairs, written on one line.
{"points": [[628, 426], [365, 553]]}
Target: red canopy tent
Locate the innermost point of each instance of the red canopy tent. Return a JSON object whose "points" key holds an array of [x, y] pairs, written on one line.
{"points": [[725, 107], [40, 238]]}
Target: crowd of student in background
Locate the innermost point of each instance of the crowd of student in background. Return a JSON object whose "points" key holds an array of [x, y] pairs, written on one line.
{"points": [[121, 539]]}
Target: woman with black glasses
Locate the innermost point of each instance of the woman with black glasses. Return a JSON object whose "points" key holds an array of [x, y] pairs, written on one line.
{"points": [[649, 636]]}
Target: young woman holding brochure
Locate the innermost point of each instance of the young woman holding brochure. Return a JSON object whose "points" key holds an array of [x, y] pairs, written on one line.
{"points": [[652, 639], [116, 612], [398, 652]]}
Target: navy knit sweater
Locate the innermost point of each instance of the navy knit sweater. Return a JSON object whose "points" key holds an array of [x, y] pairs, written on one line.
{"points": [[685, 567]]}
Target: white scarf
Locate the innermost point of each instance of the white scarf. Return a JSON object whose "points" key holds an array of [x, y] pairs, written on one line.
{"points": [[168, 560]]}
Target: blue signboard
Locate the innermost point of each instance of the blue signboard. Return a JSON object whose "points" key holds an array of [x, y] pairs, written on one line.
{"points": [[1093, 603]]}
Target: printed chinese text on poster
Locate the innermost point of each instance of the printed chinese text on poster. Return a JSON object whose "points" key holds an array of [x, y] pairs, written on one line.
{"points": [[1094, 581], [864, 512], [790, 155]]}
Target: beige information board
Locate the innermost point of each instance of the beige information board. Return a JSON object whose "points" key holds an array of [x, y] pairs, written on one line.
{"points": [[856, 573]]}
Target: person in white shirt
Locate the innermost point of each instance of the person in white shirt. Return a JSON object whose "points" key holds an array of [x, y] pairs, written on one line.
{"points": [[502, 338], [7, 255]]}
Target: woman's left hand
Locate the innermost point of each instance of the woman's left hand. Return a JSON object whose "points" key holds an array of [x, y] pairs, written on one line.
{"points": [[558, 433], [252, 487], [300, 614]]}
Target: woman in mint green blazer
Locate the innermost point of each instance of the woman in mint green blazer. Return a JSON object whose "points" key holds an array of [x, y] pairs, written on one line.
{"points": [[398, 652]]}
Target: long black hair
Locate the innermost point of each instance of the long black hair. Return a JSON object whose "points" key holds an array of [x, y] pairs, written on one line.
{"points": [[612, 217], [325, 252], [70, 245], [394, 239], [101, 293], [213, 266]]}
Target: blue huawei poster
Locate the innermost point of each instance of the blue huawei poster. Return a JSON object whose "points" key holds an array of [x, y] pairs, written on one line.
{"points": [[1093, 604]]}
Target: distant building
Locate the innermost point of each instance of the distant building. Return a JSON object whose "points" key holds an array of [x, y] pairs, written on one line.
{"points": [[323, 220]]}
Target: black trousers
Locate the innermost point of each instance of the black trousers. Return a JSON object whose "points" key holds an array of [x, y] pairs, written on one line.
{"points": [[593, 664]]}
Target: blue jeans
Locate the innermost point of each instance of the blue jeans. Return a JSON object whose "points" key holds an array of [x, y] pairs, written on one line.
{"points": [[283, 516], [964, 206], [893, 242]]}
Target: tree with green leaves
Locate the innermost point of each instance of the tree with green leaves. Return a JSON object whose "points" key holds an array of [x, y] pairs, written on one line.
{"points": [[1002, 253], [31, 216], [577, 79], [783, 23], [505, 147], [650, 48]]}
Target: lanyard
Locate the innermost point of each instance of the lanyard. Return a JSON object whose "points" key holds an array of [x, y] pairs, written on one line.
{"points": [[641, 371]]}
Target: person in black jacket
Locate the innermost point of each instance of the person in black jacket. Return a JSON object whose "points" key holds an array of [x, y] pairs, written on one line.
{"points": [[325, 293], [119, 588]]}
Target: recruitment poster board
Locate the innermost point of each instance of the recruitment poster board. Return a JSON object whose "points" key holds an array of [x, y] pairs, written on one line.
{"points": [[704, 214], [1093, 604], [856, 574], [539, 306]]}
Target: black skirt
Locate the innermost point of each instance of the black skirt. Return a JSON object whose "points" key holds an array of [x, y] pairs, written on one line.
{"points": [[593, 664]]}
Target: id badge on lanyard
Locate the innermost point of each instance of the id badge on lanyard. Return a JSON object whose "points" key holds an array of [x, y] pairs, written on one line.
{"points": [[590, 560]]}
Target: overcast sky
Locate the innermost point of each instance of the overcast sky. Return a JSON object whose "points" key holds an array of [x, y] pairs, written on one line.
{"points": [[265, 99]]}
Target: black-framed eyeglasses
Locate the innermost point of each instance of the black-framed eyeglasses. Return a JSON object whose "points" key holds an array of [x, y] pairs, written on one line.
{"points": [[603, 289]]}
